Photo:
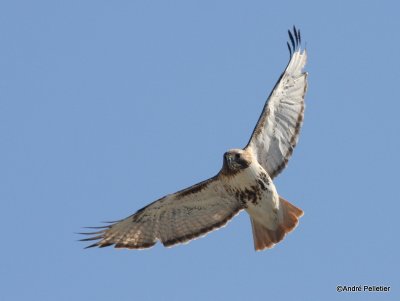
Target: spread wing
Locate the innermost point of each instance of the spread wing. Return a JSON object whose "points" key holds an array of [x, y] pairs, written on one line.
{"points": [[173, 219], [277, 130]]}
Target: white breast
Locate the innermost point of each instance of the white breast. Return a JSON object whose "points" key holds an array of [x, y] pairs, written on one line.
{"points": [[266, 209]]}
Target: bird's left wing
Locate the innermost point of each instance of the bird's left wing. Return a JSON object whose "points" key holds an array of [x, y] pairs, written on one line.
{"points": [[173, 219], [277, 130]]}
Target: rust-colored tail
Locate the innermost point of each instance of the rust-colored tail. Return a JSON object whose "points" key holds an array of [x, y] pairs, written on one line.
{"points": [[266, 238]]}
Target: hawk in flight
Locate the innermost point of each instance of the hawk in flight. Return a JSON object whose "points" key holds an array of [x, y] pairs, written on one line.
{"points": [[243, 183]]}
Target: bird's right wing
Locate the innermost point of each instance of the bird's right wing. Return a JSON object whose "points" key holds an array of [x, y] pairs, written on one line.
{"points": [[173, 219], [278, 128]]}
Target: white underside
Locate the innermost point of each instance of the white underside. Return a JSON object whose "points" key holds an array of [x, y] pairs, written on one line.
{"points": [[266, 211]]}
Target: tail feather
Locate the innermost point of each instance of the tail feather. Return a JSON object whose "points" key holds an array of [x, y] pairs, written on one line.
{"points": [[266, 238]]}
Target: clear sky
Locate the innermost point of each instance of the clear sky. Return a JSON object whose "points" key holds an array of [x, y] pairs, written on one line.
{"points": [[106, 106]]}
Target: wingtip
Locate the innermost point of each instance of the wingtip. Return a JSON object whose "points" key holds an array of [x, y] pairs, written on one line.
{"points": [[94, 235], [98, 227], [89, 233], [295, 40], [91, 246], [92, 238], [290, 50], [292, 40], [298, 32]]}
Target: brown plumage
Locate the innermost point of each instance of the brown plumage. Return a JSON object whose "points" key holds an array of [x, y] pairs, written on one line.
{"points": [[243, 183]]}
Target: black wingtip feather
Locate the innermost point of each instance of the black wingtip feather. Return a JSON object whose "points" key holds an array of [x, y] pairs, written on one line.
{"points": [[292, 40], [98, 235], [92, 246], [296, 35], [92, 238], [101, 227], [110, 222], [290, 49], [295, 40], [90, 233]]}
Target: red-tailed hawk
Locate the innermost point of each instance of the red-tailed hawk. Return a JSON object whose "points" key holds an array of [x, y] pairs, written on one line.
{"points": [[244, 182]]}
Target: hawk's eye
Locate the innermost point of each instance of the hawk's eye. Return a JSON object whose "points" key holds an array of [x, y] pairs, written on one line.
{"points": [[237, 156]]}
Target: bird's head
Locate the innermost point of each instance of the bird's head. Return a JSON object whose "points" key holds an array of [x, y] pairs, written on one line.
{"points": [[236, 160]]}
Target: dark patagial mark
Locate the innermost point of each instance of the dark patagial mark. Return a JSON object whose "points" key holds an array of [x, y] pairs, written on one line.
{"points": [[261, 123], [193, 189], [138, 217]]}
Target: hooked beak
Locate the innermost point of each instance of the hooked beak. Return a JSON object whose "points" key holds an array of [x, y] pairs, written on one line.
{"points": [[228, 158]]}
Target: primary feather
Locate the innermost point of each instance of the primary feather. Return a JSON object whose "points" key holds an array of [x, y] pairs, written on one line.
{"points": [[278, 128], [244, 182]]}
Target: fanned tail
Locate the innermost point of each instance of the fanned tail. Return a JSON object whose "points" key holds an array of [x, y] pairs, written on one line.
{"points": [[265, 238]]}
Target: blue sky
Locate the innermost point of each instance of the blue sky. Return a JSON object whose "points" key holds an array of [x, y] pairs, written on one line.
{"points": [[106, 106]]}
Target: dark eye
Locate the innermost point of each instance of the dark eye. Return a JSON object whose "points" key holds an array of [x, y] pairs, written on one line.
{"points": [[237, 156]]}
